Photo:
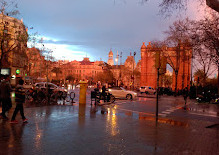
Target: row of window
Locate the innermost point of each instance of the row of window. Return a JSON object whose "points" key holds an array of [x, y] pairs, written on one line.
{"points": [[80, 71]]}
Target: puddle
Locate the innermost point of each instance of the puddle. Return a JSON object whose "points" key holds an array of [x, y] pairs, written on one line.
{"points": [[164, 120]]}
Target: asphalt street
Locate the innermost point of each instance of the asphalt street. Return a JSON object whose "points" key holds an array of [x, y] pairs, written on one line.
{"points": [[124, 127]]}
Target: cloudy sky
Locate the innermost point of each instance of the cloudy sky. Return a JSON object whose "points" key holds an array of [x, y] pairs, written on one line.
{"points": [[73, 29]]}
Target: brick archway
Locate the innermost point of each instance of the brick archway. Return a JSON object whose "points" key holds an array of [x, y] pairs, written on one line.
{"points": [[182, 61]]}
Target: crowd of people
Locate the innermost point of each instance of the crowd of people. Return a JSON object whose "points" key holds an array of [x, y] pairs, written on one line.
{"points": [[5, 98]]}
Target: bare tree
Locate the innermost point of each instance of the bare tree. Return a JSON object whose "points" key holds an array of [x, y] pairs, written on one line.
{"points": [[205, 63], [13, 36], [177, 37], [207, 35], [171, 5], [168, 7]]}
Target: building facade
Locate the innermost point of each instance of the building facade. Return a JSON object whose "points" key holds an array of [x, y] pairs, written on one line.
{"points": [[179, 58], [80, 70], [13, 42]]}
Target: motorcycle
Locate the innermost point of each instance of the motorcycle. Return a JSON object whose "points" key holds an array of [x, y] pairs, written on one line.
{"points": [[204, 97]]}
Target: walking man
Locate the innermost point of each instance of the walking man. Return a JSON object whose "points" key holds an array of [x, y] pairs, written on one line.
{"points": [[5, 92], [19, 99], [185, 95]]}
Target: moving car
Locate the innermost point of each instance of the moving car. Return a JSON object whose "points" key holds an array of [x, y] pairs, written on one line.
{"points": [[43, 85], [147, 90], [120, 92]]}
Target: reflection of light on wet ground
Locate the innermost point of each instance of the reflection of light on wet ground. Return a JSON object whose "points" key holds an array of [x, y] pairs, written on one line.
{"points": [[164, 120], [38, 137], [112, 125], [200, 111], [148, 116], [145, 99]]}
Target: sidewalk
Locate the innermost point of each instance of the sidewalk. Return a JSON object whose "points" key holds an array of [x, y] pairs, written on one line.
{"points": [[79, 129]]}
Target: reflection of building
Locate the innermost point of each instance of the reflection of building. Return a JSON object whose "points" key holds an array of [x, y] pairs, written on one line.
{"points": [[13, 34]]}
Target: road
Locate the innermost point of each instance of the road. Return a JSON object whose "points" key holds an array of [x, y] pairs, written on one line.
{"points": [[169, 107], [124, 127]]}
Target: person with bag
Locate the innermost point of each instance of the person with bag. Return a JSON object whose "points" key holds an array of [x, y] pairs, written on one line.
{"points": [[5, 92], [19, 99]]}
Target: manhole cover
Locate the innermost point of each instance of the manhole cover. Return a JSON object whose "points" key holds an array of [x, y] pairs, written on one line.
{"points": [[214, 126]]}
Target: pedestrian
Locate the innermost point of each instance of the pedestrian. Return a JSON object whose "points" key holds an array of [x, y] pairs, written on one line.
{"points": [[104, 93], [5, 92], [19, 99], [185, 94]]}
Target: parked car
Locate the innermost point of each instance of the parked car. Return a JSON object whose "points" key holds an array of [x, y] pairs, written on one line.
{"points": [[147, 90], [28, 82], [28, 85], [120, 92], [43, 85]]}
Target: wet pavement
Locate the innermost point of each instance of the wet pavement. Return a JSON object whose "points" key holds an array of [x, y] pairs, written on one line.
{"points": [[112, 129]]}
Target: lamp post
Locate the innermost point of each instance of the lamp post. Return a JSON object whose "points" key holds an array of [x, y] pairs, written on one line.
{"points": [[117, 81], [133, 71]]}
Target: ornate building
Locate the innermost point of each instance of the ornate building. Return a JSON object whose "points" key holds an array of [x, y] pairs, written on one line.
{"points": [[179, 58], [110, 59], [84, 69]]}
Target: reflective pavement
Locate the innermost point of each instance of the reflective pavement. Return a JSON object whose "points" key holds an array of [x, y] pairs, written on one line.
{"points": [[107, 129]]}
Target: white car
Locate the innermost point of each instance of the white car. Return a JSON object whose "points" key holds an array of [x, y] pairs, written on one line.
{"points": [[147, 90], [43, 85], [120, 92]]}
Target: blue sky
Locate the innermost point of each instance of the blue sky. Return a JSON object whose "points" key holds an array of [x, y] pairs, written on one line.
{"points": [[73, 29]]}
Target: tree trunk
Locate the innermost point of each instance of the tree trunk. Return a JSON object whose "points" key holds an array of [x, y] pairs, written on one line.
{"points": [[176, 77]]}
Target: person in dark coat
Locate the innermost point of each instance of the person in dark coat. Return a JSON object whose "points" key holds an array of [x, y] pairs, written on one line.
{"points": [[185, 94], [5, 92], [104, 93], [19, 99]]}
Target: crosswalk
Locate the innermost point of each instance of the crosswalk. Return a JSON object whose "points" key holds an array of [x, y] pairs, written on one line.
{"points": [[169, 111], [192, 111]]}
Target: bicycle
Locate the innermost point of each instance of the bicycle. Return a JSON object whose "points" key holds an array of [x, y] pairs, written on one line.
{"points": [[70, 97]]}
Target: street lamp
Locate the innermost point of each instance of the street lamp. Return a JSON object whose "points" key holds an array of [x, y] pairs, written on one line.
{"points": [[133, 71]]}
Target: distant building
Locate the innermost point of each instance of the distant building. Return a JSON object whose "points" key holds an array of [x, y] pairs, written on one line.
{"points": [[110, 58], [80, 70]]}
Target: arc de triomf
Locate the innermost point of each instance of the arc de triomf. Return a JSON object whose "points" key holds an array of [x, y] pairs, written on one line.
{"points": [[180, 60]]}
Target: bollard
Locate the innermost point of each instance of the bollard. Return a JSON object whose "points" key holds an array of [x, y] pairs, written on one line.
{"points": [[83, 90]]}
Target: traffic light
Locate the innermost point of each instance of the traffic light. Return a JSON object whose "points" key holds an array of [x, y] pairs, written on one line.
{"points": [[17, 71]]}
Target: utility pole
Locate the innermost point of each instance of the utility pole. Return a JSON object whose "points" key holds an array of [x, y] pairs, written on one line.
{"points": [[157, 65], [133, 71]]}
